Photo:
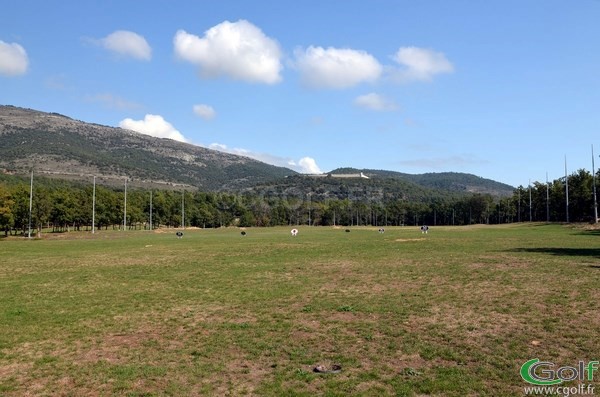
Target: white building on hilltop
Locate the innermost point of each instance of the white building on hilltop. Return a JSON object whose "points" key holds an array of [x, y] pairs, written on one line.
{"points": [[360, 175]]}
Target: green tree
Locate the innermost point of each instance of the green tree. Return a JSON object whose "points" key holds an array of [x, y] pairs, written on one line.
{"points": [[107, 207], [7, 218], [41, 207], [581, 203], [62, 211], [20, 210]]}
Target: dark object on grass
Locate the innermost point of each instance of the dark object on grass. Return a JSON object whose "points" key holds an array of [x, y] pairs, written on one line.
{"points": [[334, 369], [179, 234], [347, 230], [243, 233]]}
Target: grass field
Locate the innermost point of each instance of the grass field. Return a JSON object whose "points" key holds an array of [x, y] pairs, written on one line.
{"points": [[455, 312]]}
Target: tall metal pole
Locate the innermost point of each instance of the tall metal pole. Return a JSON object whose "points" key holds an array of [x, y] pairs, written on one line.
{"points": [[183, 209], [150, 209], [125, 208], [94, 207], [309, 205], [519, 206], [594, 188], [530, 218], [566, 190], [547, 199], [30, 204]]}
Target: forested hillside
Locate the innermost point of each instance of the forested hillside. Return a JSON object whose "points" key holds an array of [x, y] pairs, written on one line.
{"points": [[449, 181], [61, 206]]}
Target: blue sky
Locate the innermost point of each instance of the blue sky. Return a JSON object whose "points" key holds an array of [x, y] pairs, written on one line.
{"points": [[501, 89]]}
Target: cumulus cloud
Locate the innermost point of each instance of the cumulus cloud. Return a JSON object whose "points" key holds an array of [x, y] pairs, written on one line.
{"points": [[205, 111], [153, 125], [308, 165], [420, 64], [336, 68], [305, 165], [13, 59], [375, 102], [238, 50], [129, 44]]}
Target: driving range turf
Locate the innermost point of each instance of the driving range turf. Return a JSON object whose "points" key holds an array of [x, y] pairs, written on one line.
{"points": [[455, 312]]}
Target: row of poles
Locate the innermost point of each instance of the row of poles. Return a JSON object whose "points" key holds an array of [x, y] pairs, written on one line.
{"points": [[94, 207], [125, 208], [183, 200], [566, 194], [567, 190]]}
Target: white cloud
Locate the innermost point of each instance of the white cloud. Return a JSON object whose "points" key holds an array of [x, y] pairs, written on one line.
{"points": [[375, 102], [264, 157], [128, 44], [336, 68], [308, 165], [420, 64], [238, 50], [13, 59], [205, 111], [218, 146], [305, 165], [153, 125]]}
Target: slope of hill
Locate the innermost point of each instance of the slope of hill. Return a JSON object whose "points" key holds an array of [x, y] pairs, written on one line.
{"points": [[447, 181], [61, 147]]}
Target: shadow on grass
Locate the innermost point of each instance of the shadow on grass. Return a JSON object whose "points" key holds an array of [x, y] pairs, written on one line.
{"points": [[590, 252], [593, 232]]}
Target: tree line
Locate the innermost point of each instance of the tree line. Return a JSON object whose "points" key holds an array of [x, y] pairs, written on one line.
{"points": [[62, 206]]}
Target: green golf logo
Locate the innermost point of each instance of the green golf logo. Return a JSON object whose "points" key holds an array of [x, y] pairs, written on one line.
{"points": [[541, 373]]}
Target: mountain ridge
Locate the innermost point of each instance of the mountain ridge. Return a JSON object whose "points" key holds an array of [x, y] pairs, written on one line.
{"points": [[62, 147], [59, 146], [453, 181]]}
